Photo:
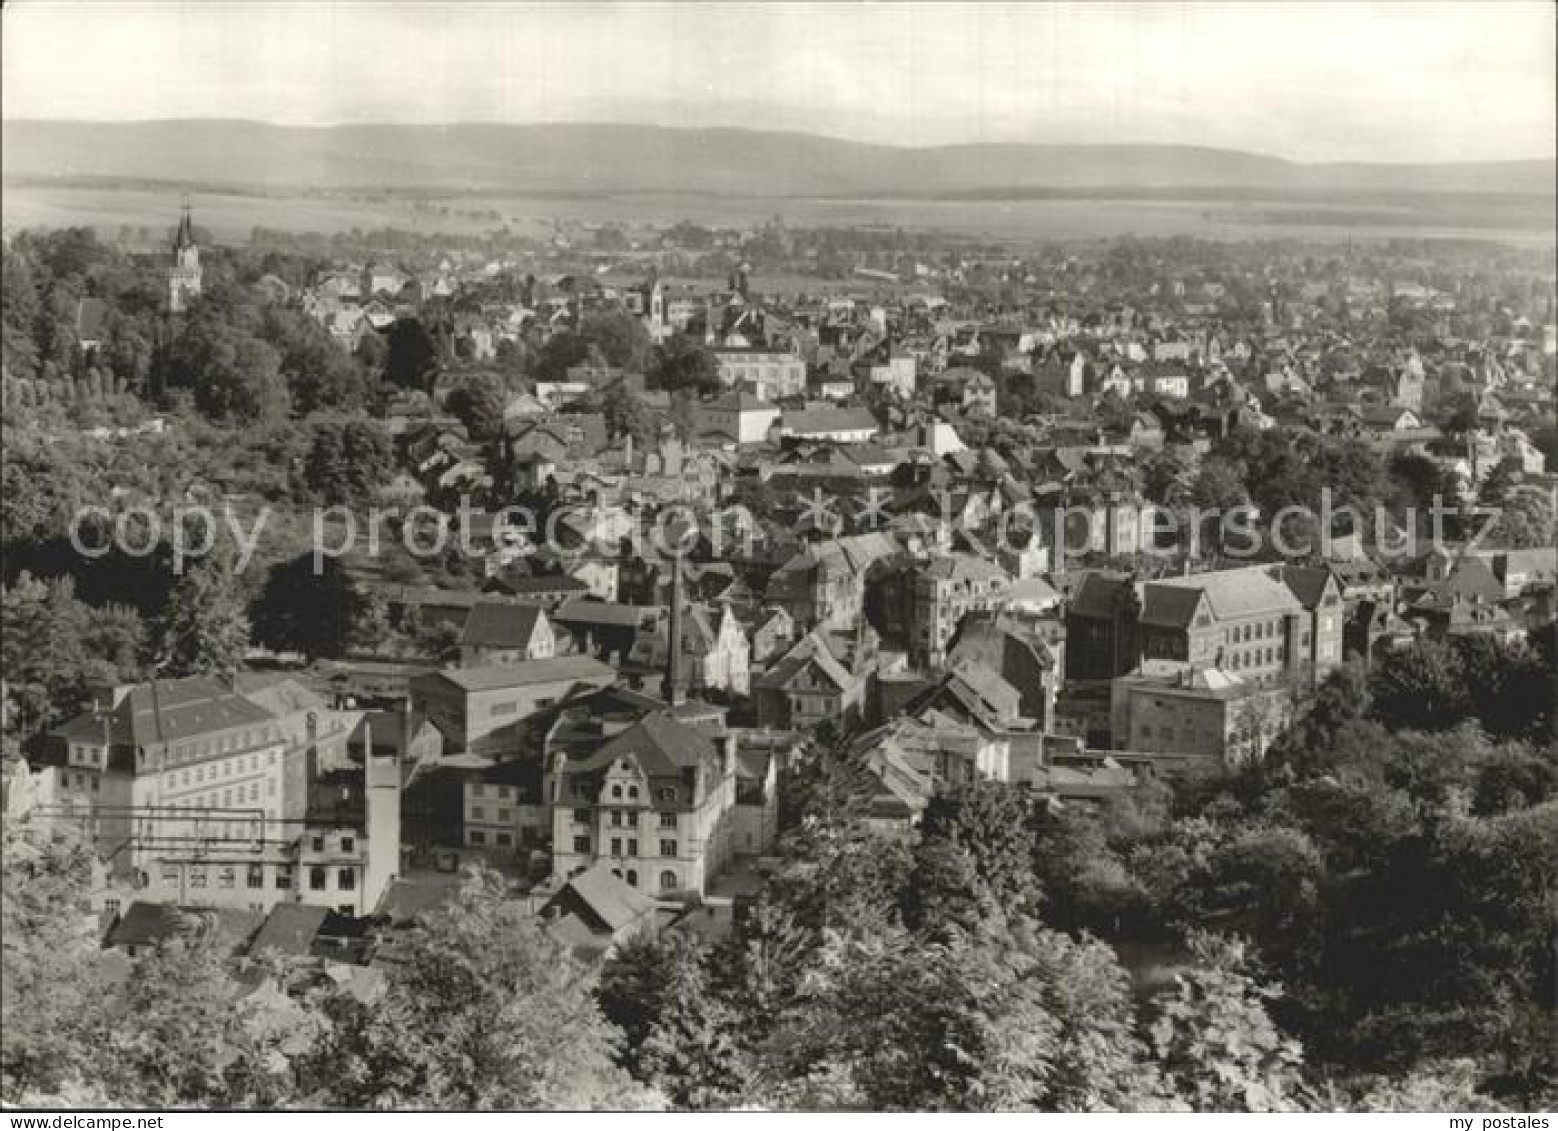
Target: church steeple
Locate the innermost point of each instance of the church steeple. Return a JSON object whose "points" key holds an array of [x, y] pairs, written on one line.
{"points": [[185, 238], [184, 275]]}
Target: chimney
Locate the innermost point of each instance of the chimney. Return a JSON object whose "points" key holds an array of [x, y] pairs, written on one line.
{"points": [[673, 661], [725, 744]]}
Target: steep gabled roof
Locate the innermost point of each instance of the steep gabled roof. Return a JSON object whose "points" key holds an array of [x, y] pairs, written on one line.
{"points": [[493, 624], [662, 745]]}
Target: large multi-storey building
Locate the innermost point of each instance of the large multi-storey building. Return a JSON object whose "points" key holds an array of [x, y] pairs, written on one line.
{"points": [[657, 801], [945, 590], [197, 793], [1249, 621], [477, 709], [772, 373]]}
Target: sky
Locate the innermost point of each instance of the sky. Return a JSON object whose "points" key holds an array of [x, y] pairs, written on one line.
{"points": [[1308, 81]]}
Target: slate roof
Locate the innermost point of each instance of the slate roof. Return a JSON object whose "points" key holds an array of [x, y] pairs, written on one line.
{"points": [[1098, 594], [662, 745], [1308, 583], [173, 710]]}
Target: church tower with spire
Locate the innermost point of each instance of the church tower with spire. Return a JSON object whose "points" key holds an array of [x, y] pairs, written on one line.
{"points": [[184, 275]]}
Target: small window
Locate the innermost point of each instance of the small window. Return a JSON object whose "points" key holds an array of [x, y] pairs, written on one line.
{"points": [[345, 879], [478, 813], [197, 878], [478, 836], [581, 844], [256, 876], [632, 848], [668, 881], [667, 848], [348, 844], [582, 816], [616, 846], [316, 879], [667, 793], [632, 793], [319, 844], [227, 877], [504, 840], [616, 791], [631, 878], [667, 820], [284, 878]]}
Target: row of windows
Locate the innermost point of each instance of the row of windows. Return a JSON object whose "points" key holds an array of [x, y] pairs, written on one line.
{"points": [[512, 707], [225, 769], [503, 817], [1244, 633], [222, 743], [225, 798], [581, 845], [668, 880], [582, 788], [501, 792], [225, 876]]}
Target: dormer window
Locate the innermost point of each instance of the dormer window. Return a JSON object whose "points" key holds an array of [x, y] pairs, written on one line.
{"points": [[667, 793]]}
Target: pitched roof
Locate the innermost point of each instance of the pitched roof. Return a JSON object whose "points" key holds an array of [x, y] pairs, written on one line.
{"points": [[1099, 594], [1230, 593], [493, 677], [289, 929], [817, 421], [174, 710], [604, 898], [662, 745], [495, 624], [1308, 583]]}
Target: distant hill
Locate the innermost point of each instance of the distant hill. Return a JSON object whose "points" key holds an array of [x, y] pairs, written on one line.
{"points": [[579, 159]]}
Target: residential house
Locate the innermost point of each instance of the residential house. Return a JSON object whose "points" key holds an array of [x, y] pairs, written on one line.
{"points": [[503, 633], [655, 801]]}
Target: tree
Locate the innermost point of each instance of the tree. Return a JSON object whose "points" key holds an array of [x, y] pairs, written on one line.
{"points": [[1422, 687], [1525, 520], [411, 355], [235, 377], [205, 630], [621, 339], [46, 670], [682, 363], [627, 415], [51, 986], [479, 402], [318, 372], [993, 823], [182, 1032], [299, 609], [562, 351], [1215, 1042], [348, 461], [466, 1024]]}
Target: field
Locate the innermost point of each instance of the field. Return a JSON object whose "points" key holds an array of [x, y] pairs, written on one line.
{"points": [[231, 216]]}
